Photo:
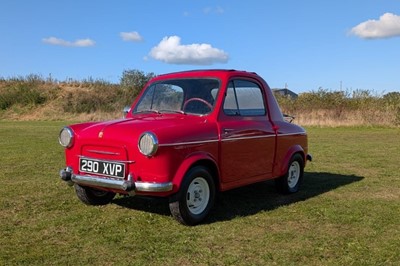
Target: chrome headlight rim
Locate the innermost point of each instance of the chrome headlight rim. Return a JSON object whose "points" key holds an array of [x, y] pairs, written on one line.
{"points": [[148, 144], [66, 143]]}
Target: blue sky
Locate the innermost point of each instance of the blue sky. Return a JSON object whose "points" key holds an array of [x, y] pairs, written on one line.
{"points": [[304, 45]]}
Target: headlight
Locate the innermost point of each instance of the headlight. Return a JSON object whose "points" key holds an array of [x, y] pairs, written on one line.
{"points": [[148, 144], [66, 137]]}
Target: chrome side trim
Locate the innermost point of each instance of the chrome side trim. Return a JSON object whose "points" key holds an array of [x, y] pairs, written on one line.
{"points": [[104, 152], [228, 139], [111, 161], [263, 136], [188, 143], [251, 137], [291, 134]]}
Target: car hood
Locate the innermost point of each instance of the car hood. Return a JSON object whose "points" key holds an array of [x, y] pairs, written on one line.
{"points": [[169, 129]]}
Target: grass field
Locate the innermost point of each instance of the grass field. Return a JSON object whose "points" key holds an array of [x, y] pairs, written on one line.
{"points": [[347, 213]]}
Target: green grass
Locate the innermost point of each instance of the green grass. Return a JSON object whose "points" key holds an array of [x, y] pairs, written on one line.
{"points": [[347, 212]]}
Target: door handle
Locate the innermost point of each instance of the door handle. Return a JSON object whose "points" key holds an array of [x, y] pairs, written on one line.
{"points": [[228, 130]]}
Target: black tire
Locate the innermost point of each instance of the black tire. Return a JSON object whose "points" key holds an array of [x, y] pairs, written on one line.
{"points": [[91, 196], [291, 181], [196, 197]]}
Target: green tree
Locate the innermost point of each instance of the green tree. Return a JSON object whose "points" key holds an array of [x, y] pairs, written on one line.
{"points": [[134, 80]]}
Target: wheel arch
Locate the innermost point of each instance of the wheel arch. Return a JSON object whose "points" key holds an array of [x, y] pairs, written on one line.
{"points": [[198, 159], [284, 164], [212, 167]]}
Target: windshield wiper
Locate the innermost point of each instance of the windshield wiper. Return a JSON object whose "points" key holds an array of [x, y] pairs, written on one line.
{"points": [[173, 111], [148, 111]]}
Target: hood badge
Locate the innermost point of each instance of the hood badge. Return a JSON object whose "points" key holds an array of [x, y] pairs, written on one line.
{"points": [[101, 133]]}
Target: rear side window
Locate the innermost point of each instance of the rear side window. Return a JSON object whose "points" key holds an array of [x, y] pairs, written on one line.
{"points": [[244, 98]]}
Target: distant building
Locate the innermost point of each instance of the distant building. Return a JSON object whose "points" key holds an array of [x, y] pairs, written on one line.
{"points": [[286, 92]]}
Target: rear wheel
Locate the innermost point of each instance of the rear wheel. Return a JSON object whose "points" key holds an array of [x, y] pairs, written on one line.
{"points": [[196, 197], [92, 196], [290, 182]]}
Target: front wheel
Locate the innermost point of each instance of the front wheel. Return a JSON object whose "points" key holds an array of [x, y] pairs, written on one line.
{"points": [[196, 197], [290, 182], [92, 196]]}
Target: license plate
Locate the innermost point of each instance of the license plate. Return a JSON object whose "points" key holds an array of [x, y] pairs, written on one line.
{"points": [[111, 169]]}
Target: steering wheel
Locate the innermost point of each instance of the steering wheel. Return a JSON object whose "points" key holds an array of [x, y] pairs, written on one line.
{"points": [[198, 100]]}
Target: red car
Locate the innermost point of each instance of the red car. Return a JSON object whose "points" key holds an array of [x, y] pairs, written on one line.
{"points": [[187, 136]]}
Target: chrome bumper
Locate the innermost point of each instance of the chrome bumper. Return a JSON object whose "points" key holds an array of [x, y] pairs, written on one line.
{"points": [[128, 185]]}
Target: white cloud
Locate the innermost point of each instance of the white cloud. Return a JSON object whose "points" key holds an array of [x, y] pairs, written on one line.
{"points": [[387, 26], [61, 42], [132, 36], [213, 10], [219, 10], [171, 51]]}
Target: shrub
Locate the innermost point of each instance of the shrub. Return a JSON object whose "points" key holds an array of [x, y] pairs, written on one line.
{"points": [[98, 97], [343, 107], [320, 107], [25, 92]]}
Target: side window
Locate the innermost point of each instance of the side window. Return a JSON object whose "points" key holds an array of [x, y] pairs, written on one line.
{"points": [[230, 104], [244, 98]]}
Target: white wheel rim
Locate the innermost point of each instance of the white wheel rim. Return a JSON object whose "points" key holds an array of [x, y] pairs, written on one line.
{"points": [[293, 174], [198, 195]]}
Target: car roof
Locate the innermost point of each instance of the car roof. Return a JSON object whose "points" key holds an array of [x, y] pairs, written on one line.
{"points": [[206, 72]]}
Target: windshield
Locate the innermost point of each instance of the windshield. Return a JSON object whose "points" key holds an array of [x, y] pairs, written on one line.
{"points": [[193, 96]]}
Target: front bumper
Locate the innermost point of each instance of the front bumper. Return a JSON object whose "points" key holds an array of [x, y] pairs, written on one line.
{"points": [[128, 185]]}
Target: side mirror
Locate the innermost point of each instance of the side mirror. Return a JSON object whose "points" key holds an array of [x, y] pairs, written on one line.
{"points": [[288, 118], [126, 110]]}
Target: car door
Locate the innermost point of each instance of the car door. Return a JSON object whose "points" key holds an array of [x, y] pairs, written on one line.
{"points": [[247, 136]]}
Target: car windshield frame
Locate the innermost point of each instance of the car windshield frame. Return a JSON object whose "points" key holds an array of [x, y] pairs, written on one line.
{"points": [[193, 95]]}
